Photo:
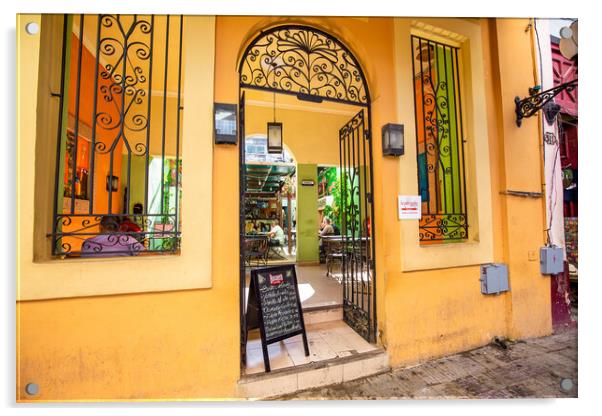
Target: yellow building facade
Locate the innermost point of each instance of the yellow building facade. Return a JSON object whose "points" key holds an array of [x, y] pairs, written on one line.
{"points": [[168, 327]]}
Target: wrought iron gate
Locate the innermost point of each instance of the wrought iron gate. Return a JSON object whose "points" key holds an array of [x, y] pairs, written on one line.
{"points": [[315, 66], [359, 295]]}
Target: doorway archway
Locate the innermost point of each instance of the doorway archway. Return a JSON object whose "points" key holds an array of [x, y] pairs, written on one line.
{"points": [[315, 66]]}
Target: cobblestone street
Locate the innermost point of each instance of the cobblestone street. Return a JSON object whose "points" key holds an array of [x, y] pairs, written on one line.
{"points": [[532, 368]]}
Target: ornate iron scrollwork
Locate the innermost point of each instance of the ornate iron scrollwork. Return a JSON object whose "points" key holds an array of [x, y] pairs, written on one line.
{"points": [[113, 70], [436, 227], [305, 62], [530, 105], [126, 81]]}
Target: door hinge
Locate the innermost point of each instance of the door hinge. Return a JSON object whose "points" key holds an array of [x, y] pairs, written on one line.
{"points": [[367, 135], [369, 197]]}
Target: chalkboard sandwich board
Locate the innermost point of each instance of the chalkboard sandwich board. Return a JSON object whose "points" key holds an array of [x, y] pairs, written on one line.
{"points": [[275, 307]]}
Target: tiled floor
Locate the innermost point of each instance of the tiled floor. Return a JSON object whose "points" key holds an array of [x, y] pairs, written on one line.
{"points": [[315, 288], [326, 341]]}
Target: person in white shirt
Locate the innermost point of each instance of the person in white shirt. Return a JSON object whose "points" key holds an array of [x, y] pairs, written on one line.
{"points": [[276, 235]]}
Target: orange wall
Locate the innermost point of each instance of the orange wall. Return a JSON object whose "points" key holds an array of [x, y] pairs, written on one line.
{"points": [[159, 346]]}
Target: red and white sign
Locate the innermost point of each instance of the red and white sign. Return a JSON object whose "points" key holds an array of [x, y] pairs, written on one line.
{"points": [[409, 207], [276, 279]]}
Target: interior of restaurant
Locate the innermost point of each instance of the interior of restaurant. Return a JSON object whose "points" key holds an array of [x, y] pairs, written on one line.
{"points": [[295, 189]]}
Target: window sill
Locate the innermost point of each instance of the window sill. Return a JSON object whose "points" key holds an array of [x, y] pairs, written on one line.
{"points": [[448, 255], [91, 259]]}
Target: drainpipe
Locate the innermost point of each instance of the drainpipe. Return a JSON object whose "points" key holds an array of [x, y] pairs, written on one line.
{"points": [[537, 80]]}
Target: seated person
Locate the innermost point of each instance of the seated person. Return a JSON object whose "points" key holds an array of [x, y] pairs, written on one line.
{"points": [[110, 242], [326, 227], [276, 235]]}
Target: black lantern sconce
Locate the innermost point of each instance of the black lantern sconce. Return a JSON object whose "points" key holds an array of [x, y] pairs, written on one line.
{"points": [[392, 139], [112, 183], [550, 111], [224, 123]]}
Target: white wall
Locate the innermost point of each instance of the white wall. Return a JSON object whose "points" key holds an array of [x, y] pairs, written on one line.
{"points": [[553, 171]]}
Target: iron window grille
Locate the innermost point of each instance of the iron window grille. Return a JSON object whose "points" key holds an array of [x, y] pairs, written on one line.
{"points": [[119, 121], [439, 141]]}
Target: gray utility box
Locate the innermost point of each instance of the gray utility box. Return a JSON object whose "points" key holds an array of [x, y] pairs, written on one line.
{"points": [[494, 278], [551, 260]]}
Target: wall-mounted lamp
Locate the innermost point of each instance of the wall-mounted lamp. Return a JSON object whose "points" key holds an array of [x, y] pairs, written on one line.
{"points": [[112, 183], [550, 111], [392, 139], [224, 123]]}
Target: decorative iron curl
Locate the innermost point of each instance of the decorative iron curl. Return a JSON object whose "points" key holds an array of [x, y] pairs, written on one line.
{"points": [[65, 221], [140, 149], [65, 247], [101, 147]]}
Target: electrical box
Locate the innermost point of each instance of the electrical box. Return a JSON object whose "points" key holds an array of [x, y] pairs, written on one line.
{"points": [[551, 260], [494, 278]]}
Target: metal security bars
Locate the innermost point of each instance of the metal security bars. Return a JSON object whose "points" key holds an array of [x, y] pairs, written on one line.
{"points": [[359, 296], [439, 141], [118, 165]]}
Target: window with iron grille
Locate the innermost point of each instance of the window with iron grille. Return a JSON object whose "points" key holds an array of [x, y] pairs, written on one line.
{"points": [[439, 142], [118, 181]]}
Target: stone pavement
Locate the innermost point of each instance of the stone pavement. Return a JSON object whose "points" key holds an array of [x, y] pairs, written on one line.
{"points": [[531, 368]]}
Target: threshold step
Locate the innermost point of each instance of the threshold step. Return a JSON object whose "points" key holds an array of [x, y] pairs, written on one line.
{"points": [[263, 386], [319, 314]]}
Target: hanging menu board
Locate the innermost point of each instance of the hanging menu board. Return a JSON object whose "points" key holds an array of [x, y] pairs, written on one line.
{"points": [[275, 306]]}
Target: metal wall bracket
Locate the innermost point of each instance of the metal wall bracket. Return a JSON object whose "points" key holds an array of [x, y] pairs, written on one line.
{"points": [[530, 105], [523, 194]]}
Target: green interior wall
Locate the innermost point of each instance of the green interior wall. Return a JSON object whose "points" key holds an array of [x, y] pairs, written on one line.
{"points": [[136, 179], [307, 214]]}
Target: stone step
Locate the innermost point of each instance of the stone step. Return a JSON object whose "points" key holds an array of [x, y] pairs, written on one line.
{"points": [[318, 374], [319, 314]]}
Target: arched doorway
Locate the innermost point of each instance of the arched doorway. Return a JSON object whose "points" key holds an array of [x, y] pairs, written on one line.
{"points": [[314, 66]]}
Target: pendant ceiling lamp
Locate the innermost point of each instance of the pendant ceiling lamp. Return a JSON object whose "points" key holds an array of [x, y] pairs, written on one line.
{"points": [[274, 134]]}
